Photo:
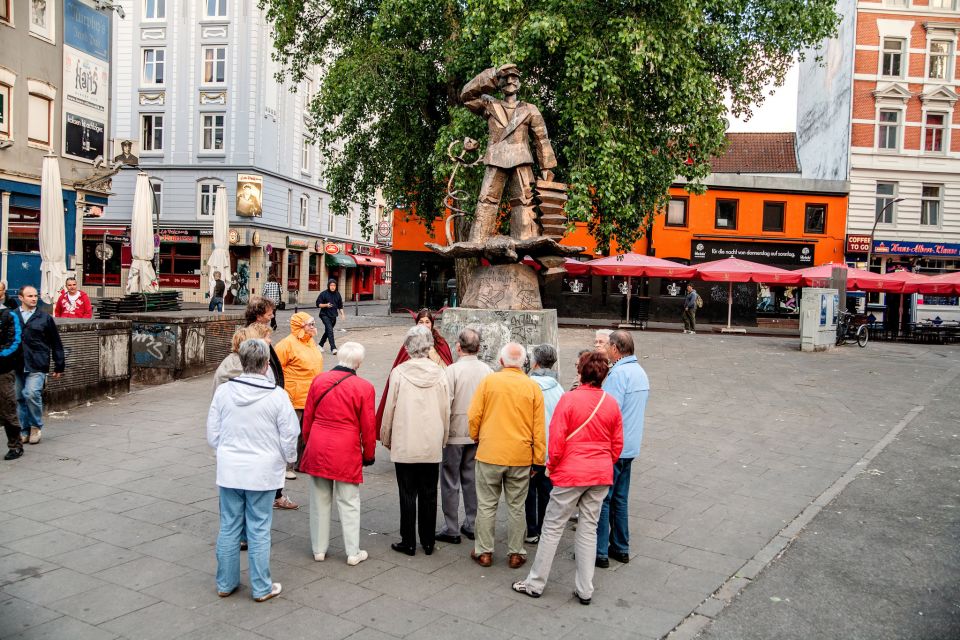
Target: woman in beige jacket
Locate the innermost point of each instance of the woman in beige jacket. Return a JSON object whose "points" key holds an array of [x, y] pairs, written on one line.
{"points": [[416, 422]]}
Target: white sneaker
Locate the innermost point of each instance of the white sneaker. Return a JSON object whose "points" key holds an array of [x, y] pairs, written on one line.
{"points": [[290, 475], [685, 331], [319, 557], [693, 333], [275, 590], [357, 559]]}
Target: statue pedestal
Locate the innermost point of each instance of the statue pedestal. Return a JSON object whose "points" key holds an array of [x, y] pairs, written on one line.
{"points": [[504, 287], [499, 326]]}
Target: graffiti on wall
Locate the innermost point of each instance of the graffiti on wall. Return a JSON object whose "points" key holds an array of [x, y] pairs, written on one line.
{"points": [[154, 345]]}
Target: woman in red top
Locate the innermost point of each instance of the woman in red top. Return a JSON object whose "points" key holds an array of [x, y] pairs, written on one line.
{"points": [[586, 437], [439, 354], [340, 440], [72, 302]]}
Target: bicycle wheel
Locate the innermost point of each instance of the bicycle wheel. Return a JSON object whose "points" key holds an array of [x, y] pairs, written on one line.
{"points": [[862, 336]]}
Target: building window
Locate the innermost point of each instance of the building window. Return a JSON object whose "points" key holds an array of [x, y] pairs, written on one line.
{"points": [[677, 212], [6, 92], [726, 217], [158, 195], [348, 222], [40, 111], [213, 131], [930, 204], [889, 130], [892, 58], [207, 198], [153, 64], [943, 4], [773, 216], [939, 68], [306, 150], [152, 132], [304, 210], [933, 132], [216, 8], [214, 65], [897, 3], [886, 194], [179, 259], [331, 221], [5, 11], [815, 218], [154, 9], [289, 206]]}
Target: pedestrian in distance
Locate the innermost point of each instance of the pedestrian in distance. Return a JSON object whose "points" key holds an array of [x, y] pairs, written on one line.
{"points": [[72, 303], [586, 438], [507, 423], [40, 341], [219, 289], [628, 384], [691, 302], [11, 335], [415, 428], [331, 305], [542, 359], [457, 473], [254, 429], [271, 291], [340, 439]]}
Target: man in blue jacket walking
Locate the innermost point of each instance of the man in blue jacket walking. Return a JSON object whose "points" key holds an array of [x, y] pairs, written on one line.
{"points": [[10, 337], [40, 338], [627, 383]]}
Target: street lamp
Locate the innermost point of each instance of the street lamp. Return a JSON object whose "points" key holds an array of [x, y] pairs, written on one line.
{"points": [[874, 229]]}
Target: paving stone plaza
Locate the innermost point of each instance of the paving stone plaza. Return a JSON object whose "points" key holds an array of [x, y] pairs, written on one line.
{"points": [[108, 526]]}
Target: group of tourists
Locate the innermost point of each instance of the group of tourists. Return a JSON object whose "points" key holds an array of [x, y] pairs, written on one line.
{"points": [[450, 422]]}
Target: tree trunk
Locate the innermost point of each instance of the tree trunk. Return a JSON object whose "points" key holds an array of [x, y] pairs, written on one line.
{"points": [[465, 267]]}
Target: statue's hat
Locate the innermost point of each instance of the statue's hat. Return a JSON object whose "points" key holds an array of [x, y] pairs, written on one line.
{"points": [[507, 70]]}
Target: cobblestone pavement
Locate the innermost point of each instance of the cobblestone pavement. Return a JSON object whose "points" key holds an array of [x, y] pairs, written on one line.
{"points": [[107, 527]]}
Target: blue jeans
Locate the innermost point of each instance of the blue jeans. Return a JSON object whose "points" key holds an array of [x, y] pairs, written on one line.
{"points": [[216, 303], [29, 390], [613, 528], [252, 510]]}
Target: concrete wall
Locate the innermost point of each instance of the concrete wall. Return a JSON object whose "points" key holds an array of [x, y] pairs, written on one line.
{"points": [[98, 362]]}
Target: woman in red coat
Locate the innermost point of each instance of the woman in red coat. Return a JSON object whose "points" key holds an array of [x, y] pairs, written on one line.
{"points": [[340, 437], [439, 354], [586, 437]]}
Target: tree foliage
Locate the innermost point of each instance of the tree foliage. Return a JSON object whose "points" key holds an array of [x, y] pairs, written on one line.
{"points": [[632, 92]]}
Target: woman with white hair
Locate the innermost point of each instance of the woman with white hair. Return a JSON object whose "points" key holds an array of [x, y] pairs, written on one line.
{"points": [[415, 426], [254, 429], [341, 439]]}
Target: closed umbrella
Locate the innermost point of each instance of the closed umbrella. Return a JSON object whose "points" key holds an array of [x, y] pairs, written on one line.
{"points": [[635, 264], [220, 257], [732, 270], [53, 249], [142, 277]]}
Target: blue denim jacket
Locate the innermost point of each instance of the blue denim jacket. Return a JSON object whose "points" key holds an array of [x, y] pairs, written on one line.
{"points": [[628, 384]]}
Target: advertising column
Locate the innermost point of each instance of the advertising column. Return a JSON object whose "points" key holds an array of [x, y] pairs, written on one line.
{"points": [[86, 80]]}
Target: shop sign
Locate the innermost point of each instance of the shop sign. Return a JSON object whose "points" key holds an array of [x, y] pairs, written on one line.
{"points": [[83, 138], [186, 281], [773, 253], [181, 236], [255, 240], [86, 29], [858, 244], [234, 236], [86, 79], [939, 249], [297, 243], [362, 250], [331, 248], [383, 229]]}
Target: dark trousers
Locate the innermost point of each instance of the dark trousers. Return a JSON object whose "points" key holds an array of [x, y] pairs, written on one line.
{"points": [[8, 410], [328, 325], [690, 319], [216, 303], [418, 501], [538, 496]]}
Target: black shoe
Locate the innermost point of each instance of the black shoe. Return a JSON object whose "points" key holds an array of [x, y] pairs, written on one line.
{"points": [[582, 600], [448, 537], [623, 558], [603, 563], [13, 454], [399, 547], [469, 535], [428, 549]]}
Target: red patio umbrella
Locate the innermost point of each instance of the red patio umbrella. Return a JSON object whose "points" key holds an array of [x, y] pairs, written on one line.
{"points": [[571, 265], [732, 270], [943, 284], [635, 264], [856, 278], [908, 282]]}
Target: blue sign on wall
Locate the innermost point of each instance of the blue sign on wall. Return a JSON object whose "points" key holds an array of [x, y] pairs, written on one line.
{"points": [[910, 248], [86, 29]]}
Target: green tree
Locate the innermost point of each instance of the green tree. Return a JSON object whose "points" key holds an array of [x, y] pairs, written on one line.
{"points": [[632, 92]]}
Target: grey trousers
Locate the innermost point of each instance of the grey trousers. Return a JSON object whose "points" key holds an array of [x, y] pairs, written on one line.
{"points": [[347, 494], [564, 501], [512, 482], [457, 474]]}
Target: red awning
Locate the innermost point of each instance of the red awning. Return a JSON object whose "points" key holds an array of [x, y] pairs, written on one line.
{"points": [[737, 270], [368, 261], [856, 278], [944, 284]]}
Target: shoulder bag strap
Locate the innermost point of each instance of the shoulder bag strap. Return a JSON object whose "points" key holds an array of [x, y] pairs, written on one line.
{"points": [[603, 395], [330, 388]]}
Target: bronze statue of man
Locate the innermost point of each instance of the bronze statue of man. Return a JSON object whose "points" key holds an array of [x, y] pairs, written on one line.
{"points": [[512, 125]]}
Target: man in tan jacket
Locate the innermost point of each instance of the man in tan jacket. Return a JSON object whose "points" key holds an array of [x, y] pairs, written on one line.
{"points": [[507, 421], [457, 469]]}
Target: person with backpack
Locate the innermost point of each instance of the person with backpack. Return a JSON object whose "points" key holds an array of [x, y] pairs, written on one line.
{"points": [[691, 303]]}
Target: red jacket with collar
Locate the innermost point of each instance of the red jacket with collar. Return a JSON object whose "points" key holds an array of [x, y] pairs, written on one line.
{"points": [[83, 308], [586, 459], [339, 432]]}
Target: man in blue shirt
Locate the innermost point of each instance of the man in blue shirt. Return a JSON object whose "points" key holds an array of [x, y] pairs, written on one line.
{"points": [[627, 383]]}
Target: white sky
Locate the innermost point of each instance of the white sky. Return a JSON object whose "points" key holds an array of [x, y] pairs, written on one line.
{"points": [[778, 112]]}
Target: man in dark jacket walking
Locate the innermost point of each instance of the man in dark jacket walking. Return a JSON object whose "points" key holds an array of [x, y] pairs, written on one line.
{"points": [[10, 338], [40, 338], [330, 304]]}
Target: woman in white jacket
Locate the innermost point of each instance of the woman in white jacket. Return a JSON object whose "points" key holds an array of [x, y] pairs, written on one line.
{"points": [[254, 429]]}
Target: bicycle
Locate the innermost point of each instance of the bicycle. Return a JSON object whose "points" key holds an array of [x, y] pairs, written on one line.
{"points": [[847, 332]]}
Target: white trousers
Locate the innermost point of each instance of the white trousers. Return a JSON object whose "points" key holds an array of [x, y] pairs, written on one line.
{"points": [[348, 506]]}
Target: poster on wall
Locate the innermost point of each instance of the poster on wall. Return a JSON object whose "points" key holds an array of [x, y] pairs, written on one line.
{"points": [[86, 80], [86, 29], [823, 309], [249, 195], [126, 151], [43, 18], [82, 137]]}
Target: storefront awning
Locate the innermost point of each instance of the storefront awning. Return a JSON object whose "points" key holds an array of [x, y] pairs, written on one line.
{"points": [[340, 260], [368, 261]]}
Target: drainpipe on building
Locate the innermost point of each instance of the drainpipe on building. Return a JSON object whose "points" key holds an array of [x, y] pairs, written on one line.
{"points": [[4, 232]]}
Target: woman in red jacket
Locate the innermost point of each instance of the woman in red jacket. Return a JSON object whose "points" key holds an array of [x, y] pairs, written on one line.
{"points": [[340, 440], [586, 437]]}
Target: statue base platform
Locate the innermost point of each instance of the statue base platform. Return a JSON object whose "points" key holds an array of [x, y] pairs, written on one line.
{"points": [[504, 287], [505, 250], [498, 327]]}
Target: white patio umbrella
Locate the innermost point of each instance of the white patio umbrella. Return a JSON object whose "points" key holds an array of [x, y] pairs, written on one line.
{"points": [[220, 257], [142, 277], [53, 248]]}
